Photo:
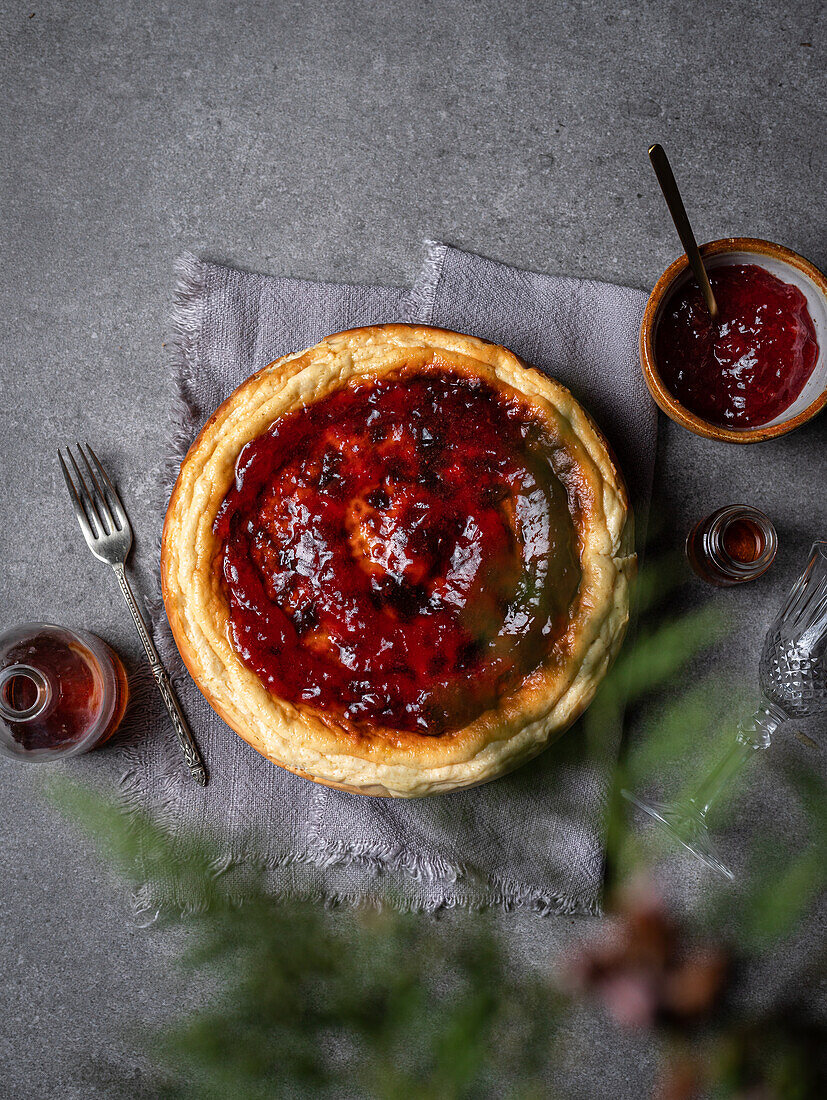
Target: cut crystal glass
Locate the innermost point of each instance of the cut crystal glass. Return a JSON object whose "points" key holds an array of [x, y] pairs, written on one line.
{"points": [[792, 676]]}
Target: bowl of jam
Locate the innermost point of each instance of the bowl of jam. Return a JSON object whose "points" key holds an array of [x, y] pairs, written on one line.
{"points": [[760, 369]]}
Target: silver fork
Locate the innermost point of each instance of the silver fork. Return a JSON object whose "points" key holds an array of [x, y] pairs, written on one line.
{"points": [[108, 535]]}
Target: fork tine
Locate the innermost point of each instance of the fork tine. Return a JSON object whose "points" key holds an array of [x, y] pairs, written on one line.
{"points": [[82, 519], [110, 490], [101, 503], [86, 498]]}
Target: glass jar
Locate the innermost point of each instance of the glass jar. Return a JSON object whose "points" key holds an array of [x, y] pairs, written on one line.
{"points": [[732, 545], [62, 692]]}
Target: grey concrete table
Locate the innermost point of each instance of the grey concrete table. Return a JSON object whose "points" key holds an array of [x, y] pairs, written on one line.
{"points": [[325, 140]]}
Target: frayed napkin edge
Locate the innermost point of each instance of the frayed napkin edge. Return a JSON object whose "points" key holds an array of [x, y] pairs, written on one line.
{"points": [[422, 297], [151, 901]]}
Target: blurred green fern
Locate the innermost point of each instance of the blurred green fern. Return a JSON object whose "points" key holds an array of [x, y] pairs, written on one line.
{"points": [[389, 1002], [384, 1004]]}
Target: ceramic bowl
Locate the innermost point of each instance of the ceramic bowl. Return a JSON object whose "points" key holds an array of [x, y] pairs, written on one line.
{"points": [[779, 261]]}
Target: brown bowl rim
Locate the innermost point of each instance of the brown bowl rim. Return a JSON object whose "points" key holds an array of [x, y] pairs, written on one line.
{"points": [[664, 399]]}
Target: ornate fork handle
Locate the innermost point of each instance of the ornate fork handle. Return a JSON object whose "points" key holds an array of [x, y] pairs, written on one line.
{"points": [[185, 738]]}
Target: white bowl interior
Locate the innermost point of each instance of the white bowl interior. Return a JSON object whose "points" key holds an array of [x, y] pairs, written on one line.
{"points": [[816, 303]]}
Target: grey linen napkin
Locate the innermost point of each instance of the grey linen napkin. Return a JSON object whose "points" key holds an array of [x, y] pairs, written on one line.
{"points": [[533, 838]]}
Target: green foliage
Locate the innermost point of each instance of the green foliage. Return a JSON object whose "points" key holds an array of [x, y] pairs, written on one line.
{"points": [[311, 1002], [786, 872], [391, 1003]]}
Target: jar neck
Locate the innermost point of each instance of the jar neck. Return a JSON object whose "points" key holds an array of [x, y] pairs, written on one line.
{"points": [[36, 684]]}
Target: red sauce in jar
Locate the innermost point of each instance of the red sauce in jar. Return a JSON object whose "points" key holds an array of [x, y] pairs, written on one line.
{"points": [[74, 686], [401, 553], [751, 365], [743, 540]]}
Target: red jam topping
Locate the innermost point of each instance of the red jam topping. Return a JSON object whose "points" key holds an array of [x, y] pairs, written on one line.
{"points": [[401, 553], [748, 368]]}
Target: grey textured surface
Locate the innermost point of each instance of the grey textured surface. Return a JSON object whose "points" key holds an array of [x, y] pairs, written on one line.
{"points": [[324, 141]]}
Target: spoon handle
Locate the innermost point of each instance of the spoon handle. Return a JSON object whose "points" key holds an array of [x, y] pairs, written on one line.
{"points": [[666, 179]]}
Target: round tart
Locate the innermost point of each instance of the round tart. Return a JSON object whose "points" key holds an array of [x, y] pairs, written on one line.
{"points": [[398, 562]]}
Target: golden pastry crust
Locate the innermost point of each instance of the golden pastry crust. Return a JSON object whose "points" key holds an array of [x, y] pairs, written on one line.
{"points": [[381, 761]]}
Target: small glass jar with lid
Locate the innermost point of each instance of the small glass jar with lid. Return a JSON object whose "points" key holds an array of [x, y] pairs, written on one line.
{"points": [[734, 544]]}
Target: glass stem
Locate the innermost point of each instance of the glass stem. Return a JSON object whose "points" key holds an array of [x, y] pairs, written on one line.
{"points": [[753, 734]]}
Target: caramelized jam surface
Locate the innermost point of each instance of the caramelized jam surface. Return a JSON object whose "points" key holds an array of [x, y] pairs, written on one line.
{"points": [[399, 554]]}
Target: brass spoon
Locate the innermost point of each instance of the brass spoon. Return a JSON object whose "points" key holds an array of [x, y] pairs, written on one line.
{"points": [[676, 208]]}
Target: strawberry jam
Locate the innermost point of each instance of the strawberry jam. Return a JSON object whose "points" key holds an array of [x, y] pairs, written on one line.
{"points": [[751, 365], [401, 553]]}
